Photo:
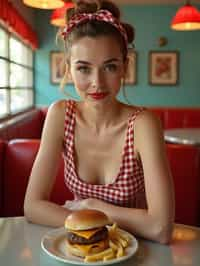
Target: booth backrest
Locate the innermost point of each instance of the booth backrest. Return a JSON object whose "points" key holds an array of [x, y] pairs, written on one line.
{"points": [[185, 166], [19, 158], [177, 117], [28, 125]]}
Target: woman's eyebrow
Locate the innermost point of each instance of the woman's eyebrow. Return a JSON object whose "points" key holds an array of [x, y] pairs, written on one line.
{"points": [[111, 60], [105, 62], [82, 62]]}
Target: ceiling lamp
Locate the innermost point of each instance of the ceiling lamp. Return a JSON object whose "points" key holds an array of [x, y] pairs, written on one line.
{"points": [[58, 17], [44, 4], [186, 18]]}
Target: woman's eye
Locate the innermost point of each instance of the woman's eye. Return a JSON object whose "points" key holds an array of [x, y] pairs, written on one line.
{"points": [[84, 70], [111, 67]]}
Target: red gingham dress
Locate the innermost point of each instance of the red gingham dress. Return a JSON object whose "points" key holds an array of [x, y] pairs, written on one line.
{"points": [[128, 187]]}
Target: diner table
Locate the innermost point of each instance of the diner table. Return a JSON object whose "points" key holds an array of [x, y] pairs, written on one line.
{"points": [[20, 245], [188, 136]]}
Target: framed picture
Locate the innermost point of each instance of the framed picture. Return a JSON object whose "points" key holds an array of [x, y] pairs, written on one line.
{"points": [[163, 67], [131, 75], [57, 67]]}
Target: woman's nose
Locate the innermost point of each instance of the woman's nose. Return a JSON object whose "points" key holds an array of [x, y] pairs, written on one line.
{"points": [[97, 80]]}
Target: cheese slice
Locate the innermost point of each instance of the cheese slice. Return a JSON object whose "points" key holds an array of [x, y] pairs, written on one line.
{"points": [[86, 234], [86, 248]]}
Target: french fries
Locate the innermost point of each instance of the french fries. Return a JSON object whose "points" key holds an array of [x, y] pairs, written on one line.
{"points": [[109, 256], [113, 245], [98, 256], [118, 242]]}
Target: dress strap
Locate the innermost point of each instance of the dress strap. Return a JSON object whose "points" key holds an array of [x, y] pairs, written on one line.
{"points": [[130, 132], [69, 121], [134, 116]]}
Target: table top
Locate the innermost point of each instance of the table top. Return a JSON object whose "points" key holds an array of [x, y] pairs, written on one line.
{"points": [[20, 245], [190, 136]]}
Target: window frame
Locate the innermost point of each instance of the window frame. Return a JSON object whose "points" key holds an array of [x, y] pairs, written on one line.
{"points": [[10, 114]]}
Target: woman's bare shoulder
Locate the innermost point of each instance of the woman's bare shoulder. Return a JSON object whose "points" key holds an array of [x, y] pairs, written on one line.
{"points": [[143, 116], [57, 107], [147, 118], [54, 122]]}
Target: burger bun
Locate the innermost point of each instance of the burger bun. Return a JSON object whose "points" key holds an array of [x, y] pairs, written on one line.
{"points": [[86, 219]]}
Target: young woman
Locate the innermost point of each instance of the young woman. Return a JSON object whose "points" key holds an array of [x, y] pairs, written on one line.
{"points": [[114, 153]]}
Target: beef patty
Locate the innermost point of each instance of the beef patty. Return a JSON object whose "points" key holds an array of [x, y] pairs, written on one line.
{"points": [[98, 236]]}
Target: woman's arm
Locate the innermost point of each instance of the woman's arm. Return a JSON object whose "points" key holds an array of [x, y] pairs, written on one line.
{"points": [[156, 222], [37, 207]]}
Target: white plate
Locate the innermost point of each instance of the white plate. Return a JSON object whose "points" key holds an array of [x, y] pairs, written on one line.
{"points": [[54, 244]]}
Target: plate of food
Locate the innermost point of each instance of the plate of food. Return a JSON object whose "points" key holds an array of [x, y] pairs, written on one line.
{"points": [[87, 238]]}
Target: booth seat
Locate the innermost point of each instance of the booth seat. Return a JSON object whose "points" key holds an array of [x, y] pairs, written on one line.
{"points": [[19, 156]]}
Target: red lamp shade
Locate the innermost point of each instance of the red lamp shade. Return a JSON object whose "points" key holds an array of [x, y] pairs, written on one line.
{"points": [[58, 15], [186, 18], [44, 4]]}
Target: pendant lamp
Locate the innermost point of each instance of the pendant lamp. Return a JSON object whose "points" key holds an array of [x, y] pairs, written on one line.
{"points": [[58, 15], [44, 4], [186, 18]]}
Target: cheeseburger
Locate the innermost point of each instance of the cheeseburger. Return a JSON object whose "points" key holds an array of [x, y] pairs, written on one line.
{"points": [[86, 232]]}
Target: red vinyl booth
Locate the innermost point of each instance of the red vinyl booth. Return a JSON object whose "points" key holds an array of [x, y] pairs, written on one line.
{"points": [[2, 147], [19, 158], [185, 166], [181, 117], [28, 125]]}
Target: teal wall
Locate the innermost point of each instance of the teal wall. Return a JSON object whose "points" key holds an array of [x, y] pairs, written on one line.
{"points": [[151, 22]]}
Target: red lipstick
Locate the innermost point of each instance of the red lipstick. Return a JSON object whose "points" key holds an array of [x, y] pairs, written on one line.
{"points": [[98, 96]]}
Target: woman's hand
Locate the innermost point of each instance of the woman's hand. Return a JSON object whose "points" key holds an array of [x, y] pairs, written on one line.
{"points": [[89, 203]]}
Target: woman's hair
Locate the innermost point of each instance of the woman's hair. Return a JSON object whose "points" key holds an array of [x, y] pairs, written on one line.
{"points": [[94, 28]]}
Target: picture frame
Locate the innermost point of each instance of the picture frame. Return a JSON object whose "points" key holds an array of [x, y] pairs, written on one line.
{"points": [[163, 68], [57, 67], [131, 74]]}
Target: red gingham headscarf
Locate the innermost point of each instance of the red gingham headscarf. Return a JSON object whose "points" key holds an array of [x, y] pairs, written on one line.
{"points": [[101, 15]]}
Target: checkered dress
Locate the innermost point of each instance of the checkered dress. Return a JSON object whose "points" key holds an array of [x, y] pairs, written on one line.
{"points": [[128, 188]]}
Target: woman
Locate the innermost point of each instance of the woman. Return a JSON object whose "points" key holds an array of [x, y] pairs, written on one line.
{"points": [[114, 153]]}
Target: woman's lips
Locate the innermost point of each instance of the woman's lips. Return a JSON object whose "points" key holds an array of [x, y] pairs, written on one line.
{"points": [[98, 96]]}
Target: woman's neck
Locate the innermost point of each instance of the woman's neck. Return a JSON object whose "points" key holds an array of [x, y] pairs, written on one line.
{"points": [[100, 117]]}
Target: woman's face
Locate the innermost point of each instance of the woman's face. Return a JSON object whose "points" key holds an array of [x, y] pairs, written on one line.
{"points": [[97, 67]]}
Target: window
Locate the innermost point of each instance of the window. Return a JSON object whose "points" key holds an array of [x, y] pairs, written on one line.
{"points": [[16, 78]]}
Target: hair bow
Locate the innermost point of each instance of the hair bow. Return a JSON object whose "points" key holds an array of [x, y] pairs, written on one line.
{"points": [[101, 15]]}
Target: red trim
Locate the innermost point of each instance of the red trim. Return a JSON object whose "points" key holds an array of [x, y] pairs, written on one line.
{"points": [[15, 22]]}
